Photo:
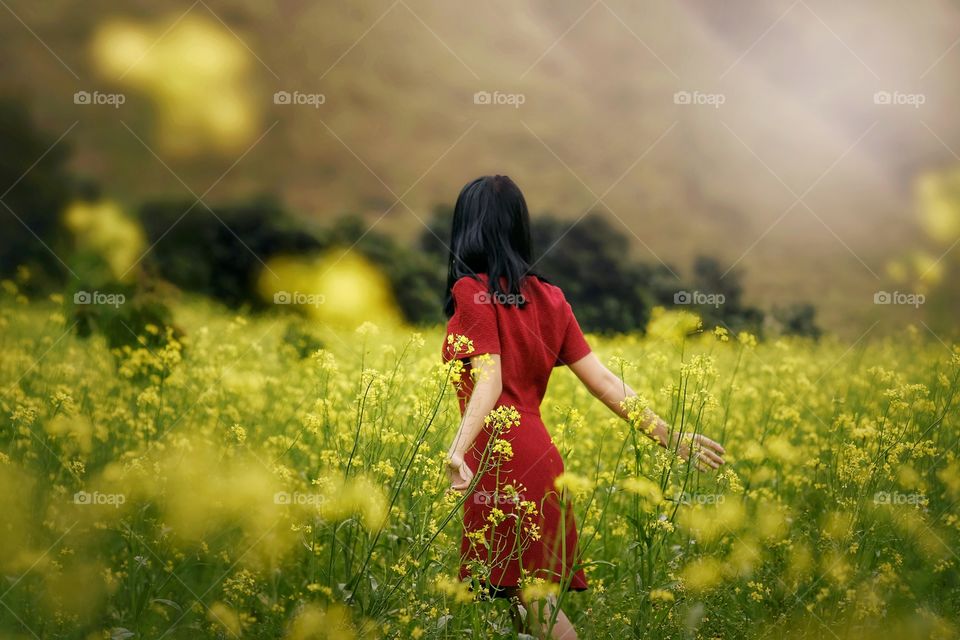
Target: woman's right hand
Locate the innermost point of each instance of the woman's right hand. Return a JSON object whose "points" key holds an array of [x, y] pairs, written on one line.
{"points": [[458, 472]]}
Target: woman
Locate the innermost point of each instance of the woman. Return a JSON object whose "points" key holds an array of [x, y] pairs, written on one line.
{"points": [[510, 328]]}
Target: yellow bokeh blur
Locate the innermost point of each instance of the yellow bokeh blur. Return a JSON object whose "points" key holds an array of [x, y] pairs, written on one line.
{"points": [[671, 326], [105, 229], [939, 214], [193, 70], [340, 288]]}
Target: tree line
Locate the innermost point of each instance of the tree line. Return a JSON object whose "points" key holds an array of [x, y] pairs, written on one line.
{"points": [[220, 254]]}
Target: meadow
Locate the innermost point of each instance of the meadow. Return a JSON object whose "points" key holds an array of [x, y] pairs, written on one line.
{"points": [[263, 476]]}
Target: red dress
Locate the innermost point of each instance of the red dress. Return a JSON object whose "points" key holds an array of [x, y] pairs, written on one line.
{"points": [[517, 526]]}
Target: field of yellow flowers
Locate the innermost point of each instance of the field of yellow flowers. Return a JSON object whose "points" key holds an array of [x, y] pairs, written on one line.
{"points": [[262, 476]]}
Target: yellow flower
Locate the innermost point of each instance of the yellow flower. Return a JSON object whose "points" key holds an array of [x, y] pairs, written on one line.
{"points": [[702, 574], [496, 516], [661, 595], [644, 488], [226, 617], [572, 482], [459, 345], [239, 433], [456, 589], [502, 418], [539, 589], [502, 448]]}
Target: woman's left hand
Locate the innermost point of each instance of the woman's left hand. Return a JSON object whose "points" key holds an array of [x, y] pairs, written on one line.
{"points": [[706, 453], [458, 472]]}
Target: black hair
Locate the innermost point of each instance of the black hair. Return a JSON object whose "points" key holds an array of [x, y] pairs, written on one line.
{"points": [[490, 234]]}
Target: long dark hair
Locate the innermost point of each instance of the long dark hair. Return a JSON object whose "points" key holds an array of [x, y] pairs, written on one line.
{"points": [[490, 234]]}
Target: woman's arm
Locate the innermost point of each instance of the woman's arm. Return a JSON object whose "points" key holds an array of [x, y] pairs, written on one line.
{"points": [[487, 388], [612, 391]]}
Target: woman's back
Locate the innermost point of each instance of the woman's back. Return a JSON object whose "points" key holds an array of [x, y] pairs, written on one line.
{"points": [[528, 528], [531, 339]]}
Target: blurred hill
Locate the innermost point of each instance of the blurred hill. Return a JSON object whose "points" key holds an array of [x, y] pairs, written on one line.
{"points": [[598, 119]]}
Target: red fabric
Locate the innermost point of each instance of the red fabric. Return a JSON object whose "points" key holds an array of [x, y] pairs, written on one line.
{"points": [[531, 341]]}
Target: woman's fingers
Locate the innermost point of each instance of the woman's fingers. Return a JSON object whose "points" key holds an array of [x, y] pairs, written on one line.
{"points": [[703, 463], [465, 476], [460, 484], [706, 442], [710, 444], [704, 459], [710, 456], [709, 453]]}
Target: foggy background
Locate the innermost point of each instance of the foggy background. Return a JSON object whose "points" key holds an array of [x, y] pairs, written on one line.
{"points": [[807, 148]]}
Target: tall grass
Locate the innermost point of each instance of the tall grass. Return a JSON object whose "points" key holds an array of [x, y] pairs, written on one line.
{"points": [[223, 486]]}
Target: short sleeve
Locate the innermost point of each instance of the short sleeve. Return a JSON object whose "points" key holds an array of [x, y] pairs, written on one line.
{"points": [[475, 318], [574, 345]]}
